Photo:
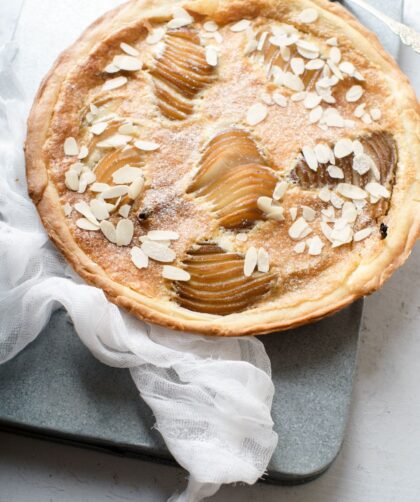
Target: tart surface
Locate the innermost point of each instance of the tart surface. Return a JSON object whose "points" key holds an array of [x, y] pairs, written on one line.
{"points": [[228, 167]]}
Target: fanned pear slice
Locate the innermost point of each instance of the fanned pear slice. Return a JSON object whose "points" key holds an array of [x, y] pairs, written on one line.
{"points": [[180, 73], [380, 146], [112, 161], [217, 284]]}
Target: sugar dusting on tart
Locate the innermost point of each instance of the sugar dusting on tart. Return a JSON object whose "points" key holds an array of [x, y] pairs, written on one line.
{"points": [[225, 166]]}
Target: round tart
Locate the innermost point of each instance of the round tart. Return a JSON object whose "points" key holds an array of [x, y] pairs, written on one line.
{"points": [[228, 167]]}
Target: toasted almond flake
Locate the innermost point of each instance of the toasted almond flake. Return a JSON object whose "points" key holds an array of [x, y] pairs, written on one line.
{"points": [[360, 110], [114, 192], [326, 230], [300, 247], [363, 163], [276, 213], [99, 209], [336, 200], [147, 146], [343, 148], [349, 212], [175, 273], [376, 114], [85, 224], [363, 234], [298, 96], [139, 258], [347, 68], [242, 25], [155, 36], [250, 262], [124, 232], [163, 235], [124, 210], [310, 157], [335, 120], [279, 99], [126, 174], [127, 63], [293, 82], [71, 180], [299, 229], [325, 194], [212, 55], [111, 68], [99, 187], [341, 236], [84, 209], [108, 229], [293, 213], [312, 100], [71, 148], [242, 237], [67, 209], [114, 141], [377, 190], [323, 153], [158, 252], [315, 246], [128, 49], [316, 115], [308, 16], [84, 152], [335, 55], [315, 64], [256, 114], [87, 178], [114, 83], [263, 261], [354, 93], [280, 190], [136, 188], [358, 147], [298, 66], [308, 46], [264, 204], [335, 172], [98, 128], [308, 213], [351, 191]]}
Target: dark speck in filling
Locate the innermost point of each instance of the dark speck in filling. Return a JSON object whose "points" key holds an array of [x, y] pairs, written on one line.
{"points": [[384, 230]]}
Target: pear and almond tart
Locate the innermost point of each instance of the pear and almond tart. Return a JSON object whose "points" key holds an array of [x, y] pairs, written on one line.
{"points": [[228, 167]]}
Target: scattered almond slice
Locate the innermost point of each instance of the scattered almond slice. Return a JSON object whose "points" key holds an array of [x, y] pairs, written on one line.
{"points": [[136, 188], [124, 232], [242, 25], [128, 49], [351, 191], [298, 66], [308, 213], [71, 148], [126, 174], [377, 190], [363, 163], [335, 55], [315, 246], [376, 114], [343, 148], [114, 141], [299, 229], [175, 273], [312, 100], [300, 247], [335, 172], [98, 128], [99, 187], [114, 83], [99, 209], [210, 26], [163, 235], [336, 201], [256, 114], [114, 192], [279, 99], [71, 180], [316, 115], [242, 237], [124, 210], [354, 93], [324, 154], [347, 68], [308, 16], [276, 213], [324, 194], [310, 157], [158, 252], [280, 190], [155, 36], [293, 213], [85, 224], [67, 209], [263, 261], [212, 55], [108, 229], [363, 234], [84, 209], [147, 146], [250, 262], [127, 63], [84, 152], [332, 41], [139, 257], [111, 68]]}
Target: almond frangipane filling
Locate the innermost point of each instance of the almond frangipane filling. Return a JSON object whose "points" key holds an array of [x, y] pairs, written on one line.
{"points": [[240, 189]]}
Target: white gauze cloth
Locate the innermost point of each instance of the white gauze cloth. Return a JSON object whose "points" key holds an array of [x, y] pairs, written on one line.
{"points": [[211, 396]]}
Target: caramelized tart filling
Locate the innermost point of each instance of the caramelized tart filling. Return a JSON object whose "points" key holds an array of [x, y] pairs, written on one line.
{"points": [[217, 284]]}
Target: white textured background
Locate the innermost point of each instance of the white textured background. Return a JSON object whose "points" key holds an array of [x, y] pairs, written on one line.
{"points": [[380, 460]]}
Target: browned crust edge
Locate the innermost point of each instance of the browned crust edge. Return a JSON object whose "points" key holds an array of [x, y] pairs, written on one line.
{"points": [[45, 196]]}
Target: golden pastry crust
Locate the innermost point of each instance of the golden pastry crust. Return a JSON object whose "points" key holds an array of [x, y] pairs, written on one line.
{"points": [[311, 287]]}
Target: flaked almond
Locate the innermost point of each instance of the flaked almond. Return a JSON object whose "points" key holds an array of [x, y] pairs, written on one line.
{"points": [[363, 163], [84, 209], [276, 213], [347, 68], [67, 209], [163, 235], [127, 63], [336, 200], [114, 83], [158, 252], [279, 99], [98, 128], [263, 261], [179, 22], [310, 157], [126, 174], [349, 212], [136, 188], [139, 257], [71, 148], [316, 115], [312, 100], [363, 234], [114, 141], [324, 154], [85, 224], [280, 190], [308, 16], [111, 68], [250, 262], [71, 180], [324, 194], [147, 146], [175, 273], [293, 82], [354, 93], [256, 114], [343, 148], [83, 153], [242, 25], [293, 213], [315, 246], [212, 55], [114, 192], [99, 209], [155, 36], [299, 229], [308, 213], [377, 190], [335, 55], [99, 187], [376, 114], [124, 232], [315, 64], [128, 49], [335, 172], [108, 229], [210, 26], [351, 191], [124, 210], [264, 204], [298, 66]]}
